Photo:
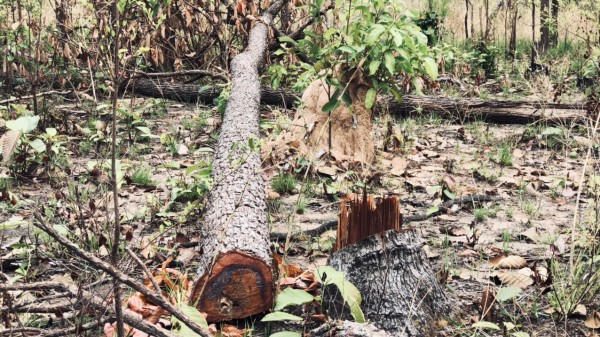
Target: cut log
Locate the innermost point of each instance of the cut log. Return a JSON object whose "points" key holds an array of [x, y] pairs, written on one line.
{"points": [[467, 109], [235, 272], [400, 293]]}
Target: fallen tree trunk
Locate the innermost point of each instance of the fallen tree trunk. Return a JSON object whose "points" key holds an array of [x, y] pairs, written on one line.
{"points": [[235, 272], [503, 112]]}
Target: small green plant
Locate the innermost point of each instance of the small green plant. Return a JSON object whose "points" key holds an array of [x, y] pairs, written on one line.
{"points": [[142, 177], [505, 155], [506, 238], [480, 214], [301, 206], [509, 213], [284, 183]]}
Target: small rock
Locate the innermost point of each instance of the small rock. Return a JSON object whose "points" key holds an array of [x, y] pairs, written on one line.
{"points": [[272, 195]]}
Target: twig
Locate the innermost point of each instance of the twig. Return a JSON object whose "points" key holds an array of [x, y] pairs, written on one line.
{"points": [[122, 277], [146, 271], [195, 72], [129, 317], [114, 255], [55, 332], [41, 94]]}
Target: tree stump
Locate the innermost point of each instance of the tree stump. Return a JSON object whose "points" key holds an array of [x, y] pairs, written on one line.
{"points": [[235, 273], [400, 293]]}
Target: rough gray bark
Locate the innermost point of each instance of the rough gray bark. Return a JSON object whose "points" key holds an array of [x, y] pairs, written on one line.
{"points": [[400, 292], [464, 109], [235, 263]]}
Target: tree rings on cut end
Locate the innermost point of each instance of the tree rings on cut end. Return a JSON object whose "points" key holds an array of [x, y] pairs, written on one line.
{"points": [[239, 286]]}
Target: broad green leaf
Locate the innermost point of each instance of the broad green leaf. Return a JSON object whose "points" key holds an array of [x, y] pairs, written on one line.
{"points": [[485, 325], [390, 62], [145, 130], [432, 210], [397, 37], [520, 334], [374, 66], [349, 292], [286, 334], [375, 33], [331, 105], [550, 131], [291, 296], [347, 49], [194, 315], [51, 132], [507, 293], [430, 67], [61, 229], [24, 124], [12, 224], [396, 93], [370, 98], [280, 316], [287, 39], [38, 145]]}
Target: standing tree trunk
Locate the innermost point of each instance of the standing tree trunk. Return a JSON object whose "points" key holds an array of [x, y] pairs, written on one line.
{"points": [[544, 25], [554, 27], [235, 274]]}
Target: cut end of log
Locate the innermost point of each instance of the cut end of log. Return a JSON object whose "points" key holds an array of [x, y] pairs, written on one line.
{"points": [[238, 286], [360, 219]]}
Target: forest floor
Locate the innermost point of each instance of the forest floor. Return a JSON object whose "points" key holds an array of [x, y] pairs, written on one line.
{"points": [[534, 173]]}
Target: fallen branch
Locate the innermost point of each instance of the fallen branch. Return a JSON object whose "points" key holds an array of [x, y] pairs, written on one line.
{"points": [[55, 332], [41, 94], [133, 319], [442, 209], [122, 277]]}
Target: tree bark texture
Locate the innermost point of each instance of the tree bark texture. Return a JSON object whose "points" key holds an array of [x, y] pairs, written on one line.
{"points": [[235, 274], [493, 111], [400, 293]]}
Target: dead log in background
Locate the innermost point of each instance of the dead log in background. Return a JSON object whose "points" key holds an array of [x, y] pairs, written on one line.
{"points": [[205, 94], [400, 292], [469, 109], [463, 109], [235, 274]]}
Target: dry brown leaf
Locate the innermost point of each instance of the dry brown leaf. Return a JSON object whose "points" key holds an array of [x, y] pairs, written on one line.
{"points": [[509, 262], [580, 310], [593, 320], [487, 301], [515, 278], [9, 143]]}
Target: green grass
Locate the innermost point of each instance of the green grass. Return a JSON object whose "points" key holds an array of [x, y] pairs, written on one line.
{"points": [[505, 155], [301, 206], [480, 214], [284, 183], [142, 177]]}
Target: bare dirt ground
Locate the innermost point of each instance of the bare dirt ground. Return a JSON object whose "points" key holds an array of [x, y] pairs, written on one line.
{"points": [[535, 175]]}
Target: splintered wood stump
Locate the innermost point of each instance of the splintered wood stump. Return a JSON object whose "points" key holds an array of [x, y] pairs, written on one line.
{"points": [[400, 292], [235, 274]]}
